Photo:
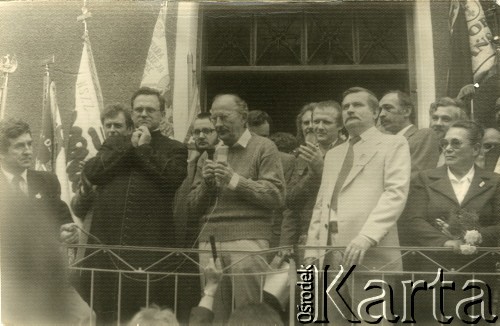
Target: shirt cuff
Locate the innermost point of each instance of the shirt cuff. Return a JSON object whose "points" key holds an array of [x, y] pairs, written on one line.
{"points": [[233, 183], [373, 242]]}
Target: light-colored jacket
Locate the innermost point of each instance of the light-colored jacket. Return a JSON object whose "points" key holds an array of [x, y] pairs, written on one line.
{"points": [[371, 200]]}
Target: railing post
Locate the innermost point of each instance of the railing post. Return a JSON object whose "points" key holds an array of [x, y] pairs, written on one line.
{"points": [[91, 296], [147, 290], [118, 321]]}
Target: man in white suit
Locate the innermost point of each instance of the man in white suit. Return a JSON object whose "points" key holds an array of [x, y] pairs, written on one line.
{"points": [[363, 191]]}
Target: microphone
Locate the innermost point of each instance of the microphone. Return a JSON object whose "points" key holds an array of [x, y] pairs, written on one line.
{"points": [[221, 153]]}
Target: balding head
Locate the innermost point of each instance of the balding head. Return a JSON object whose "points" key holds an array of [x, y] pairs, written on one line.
{"points": [[229, 115]]}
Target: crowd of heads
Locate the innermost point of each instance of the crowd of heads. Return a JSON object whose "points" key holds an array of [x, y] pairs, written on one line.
{"points": [[320, 123]]}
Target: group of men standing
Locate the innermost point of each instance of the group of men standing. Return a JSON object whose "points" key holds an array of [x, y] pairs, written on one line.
{"points": [[142, 189]]}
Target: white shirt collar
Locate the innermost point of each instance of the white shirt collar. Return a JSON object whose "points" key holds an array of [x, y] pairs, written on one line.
{"points": [[469, 176], [369, 133], [10, 176], [244, 139], [405, 129]]}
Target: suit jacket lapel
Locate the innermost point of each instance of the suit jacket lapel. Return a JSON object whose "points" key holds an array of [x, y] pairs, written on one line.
{"points": [[412, 130], [480, 183], [367, 149], [442, 184]]}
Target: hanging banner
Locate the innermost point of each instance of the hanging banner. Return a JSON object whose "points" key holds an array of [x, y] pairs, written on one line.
{"points": [[86, 133], [482, 51], [156, 72]]}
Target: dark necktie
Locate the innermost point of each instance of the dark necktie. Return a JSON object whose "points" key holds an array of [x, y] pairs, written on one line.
{"points": [[344, 171], [16, 184]]}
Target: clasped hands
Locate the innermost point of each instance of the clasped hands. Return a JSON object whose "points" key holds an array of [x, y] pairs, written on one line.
{"points": [[141, 136], [217, 172]]}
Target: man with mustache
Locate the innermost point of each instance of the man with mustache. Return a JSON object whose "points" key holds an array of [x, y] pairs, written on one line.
{"points": [[396, 108], [137, 175], [363, 191], [304, 183], [305, 131], [443, 113], [236, 197]]}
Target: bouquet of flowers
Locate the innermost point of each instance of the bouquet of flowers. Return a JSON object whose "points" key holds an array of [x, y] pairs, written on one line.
{"points": [[462, 225]]}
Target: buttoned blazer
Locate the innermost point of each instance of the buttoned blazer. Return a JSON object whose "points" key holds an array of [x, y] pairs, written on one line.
{"points": [[370, 201], [432, 197], [424, 149]]}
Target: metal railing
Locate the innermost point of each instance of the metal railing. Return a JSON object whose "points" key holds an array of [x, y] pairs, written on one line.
{"points": [[167, 260]]}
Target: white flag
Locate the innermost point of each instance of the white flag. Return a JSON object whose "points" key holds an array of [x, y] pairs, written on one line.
{"points": [[60, 153], [86, 134], [156, 73]]}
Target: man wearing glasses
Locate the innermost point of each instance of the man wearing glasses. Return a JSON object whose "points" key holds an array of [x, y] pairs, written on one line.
{"points": [[205, 139], [448, 201], [236, 197], [137, 176]]}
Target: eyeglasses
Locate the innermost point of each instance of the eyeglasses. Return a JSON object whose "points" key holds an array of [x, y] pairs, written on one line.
{"points": [[205, 131], [454, 143], [148, 110]]}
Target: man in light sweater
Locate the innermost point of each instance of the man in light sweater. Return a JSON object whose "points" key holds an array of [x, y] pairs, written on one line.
{"points": [[236, 199]]}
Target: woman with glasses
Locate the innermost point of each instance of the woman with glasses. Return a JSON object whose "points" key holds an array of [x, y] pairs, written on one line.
{"points": [[456, 206]]}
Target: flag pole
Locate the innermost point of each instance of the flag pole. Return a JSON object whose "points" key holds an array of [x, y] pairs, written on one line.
{"points": [[46, 104], [8, 65]]}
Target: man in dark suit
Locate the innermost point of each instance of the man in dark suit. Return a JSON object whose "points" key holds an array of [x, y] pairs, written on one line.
{"points": [[396, 109], [33, 220], [137, 177], [452, 199]]}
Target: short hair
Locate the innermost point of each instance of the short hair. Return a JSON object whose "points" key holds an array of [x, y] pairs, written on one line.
{"points": [[11, 129], [154, 316], [298, 121], [404, 99], [203, 115], [372, 98], [241, 105], [113, 110], [255, 314], [331, 104], [149, 91], [448, 101], [258, 117], [475, 131], [285, 141]]}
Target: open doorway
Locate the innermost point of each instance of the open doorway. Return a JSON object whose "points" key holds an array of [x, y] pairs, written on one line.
{"points": [[282, 94]]}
